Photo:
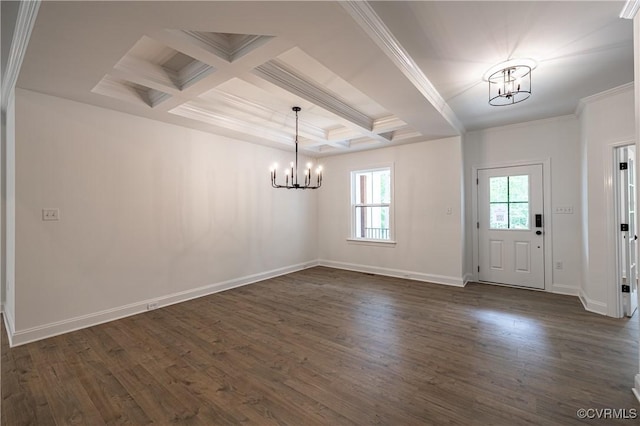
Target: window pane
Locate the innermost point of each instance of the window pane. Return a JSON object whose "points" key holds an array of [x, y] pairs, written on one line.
{"points": [[498, 215], [519, 216], [498, 189], [518, 188], [372, 222], [361, 183], [382, 185], [372, 187]]}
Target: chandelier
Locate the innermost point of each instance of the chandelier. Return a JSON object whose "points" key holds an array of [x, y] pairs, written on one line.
{"points": [[291, 173], [510, 82]]}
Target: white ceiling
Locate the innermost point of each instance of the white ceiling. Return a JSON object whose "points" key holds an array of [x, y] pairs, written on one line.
{"points": [[366, 75]]}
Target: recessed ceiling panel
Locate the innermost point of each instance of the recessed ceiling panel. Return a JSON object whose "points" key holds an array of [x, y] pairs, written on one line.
{"points": [[229, 47], [130, 92]]}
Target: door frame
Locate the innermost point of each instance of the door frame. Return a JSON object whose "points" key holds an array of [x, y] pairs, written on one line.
{"points": [[546, 209], [614, 296], [617, 181]]}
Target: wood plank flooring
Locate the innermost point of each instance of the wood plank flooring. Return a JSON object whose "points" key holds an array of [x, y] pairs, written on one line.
{"points": [[331, 347]]}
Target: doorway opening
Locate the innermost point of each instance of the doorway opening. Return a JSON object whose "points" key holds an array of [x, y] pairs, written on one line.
{"points": [[626, 228]]}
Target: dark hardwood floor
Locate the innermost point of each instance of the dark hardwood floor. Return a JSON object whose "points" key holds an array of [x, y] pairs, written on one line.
{"points": [[332, 347]]}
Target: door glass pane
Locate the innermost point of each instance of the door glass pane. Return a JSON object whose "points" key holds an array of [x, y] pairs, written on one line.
{"points": [[518, 188], [509, 202], [518, 215], [498, 215], [498, 189]]}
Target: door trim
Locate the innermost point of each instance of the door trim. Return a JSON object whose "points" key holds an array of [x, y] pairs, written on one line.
{"points": [[614, 297], [546, 201]]}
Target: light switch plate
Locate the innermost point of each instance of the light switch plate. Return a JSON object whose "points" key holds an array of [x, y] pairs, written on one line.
{"points": [[563, 210]]}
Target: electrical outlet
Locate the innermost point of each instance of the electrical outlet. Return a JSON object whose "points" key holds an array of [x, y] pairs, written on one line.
{"points": [[152, 305], [50, 214], [559, 264]]}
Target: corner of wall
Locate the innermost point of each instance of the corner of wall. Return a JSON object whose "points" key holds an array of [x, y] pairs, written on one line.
{"points": [[593, 305], [9, 324], [467, 278]]}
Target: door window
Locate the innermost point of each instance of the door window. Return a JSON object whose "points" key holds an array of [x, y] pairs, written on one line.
{"points": [[509, 202]]}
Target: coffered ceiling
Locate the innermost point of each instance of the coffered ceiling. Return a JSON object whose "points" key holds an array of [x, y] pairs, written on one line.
{"points": [[366, 75]]}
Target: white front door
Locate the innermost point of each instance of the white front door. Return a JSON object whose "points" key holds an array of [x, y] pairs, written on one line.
{"points": [[511, 226]]}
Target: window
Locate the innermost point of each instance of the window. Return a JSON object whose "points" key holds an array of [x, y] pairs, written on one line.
{"points": [[371, 207], [509, 202]]}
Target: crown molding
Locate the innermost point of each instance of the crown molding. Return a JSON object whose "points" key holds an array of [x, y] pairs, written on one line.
{"points": [[602, 95], [130, 91], [388, 124], [22, 32], [524, 124], [370, 22], [147, 74], [630, 9], [225, 47], [193, 73]]}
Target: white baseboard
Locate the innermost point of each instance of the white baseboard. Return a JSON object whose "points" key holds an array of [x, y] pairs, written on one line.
{"points": [[592, 305], [397, 273], [565, 289], [21, 337], [9, 325], [467, 278]]}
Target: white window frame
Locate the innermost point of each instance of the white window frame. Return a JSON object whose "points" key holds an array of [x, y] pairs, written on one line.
{"points": [[352, 206]]}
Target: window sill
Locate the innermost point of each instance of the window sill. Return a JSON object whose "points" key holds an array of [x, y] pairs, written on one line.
{"points": [[365, 242]]}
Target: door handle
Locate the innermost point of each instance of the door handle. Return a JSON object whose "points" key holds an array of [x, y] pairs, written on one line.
{"points": [[538, 221], [538, 232]]}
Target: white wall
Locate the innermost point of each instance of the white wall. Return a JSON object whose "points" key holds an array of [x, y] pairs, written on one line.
{"points": [[427, 181], [148, 211], [606, 119], [556, 140], [7, 213]]}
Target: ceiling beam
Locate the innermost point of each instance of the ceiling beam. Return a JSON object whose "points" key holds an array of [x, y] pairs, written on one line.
{"points": [[364, 15], [236, 104], [285, 78], [197, 112]]}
